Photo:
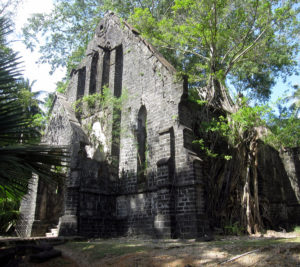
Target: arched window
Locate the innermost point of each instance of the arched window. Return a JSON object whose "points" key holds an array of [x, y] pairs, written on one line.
{"points": [[105, 69], [93, 77], [81, 83], [142, 144], [118, 71]]}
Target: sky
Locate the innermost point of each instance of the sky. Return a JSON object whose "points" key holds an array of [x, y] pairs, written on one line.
{"points": [[40, 72], [32, 70]]}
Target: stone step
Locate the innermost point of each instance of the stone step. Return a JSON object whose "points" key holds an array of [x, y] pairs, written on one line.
{"points": [[50, 235], [54, 231]]}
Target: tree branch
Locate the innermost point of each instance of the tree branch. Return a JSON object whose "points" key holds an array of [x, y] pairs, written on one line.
{"points": [[244, 38], [168, 46], [168, 9], [245, 51], [239, 256]]}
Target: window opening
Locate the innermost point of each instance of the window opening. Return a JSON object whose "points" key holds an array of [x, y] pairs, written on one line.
{"points": [[81, 83], [93, 77], [116, 127], [106, 68], [142, 144]]}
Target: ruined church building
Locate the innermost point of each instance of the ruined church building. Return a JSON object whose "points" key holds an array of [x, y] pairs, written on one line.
{"points": [[133, 169]]}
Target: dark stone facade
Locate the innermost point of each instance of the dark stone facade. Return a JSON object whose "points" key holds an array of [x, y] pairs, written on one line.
{"points": [[133, 169], [279, 184]]}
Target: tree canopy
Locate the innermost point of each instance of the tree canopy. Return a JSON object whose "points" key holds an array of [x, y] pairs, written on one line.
{"points": [[67, 31], [248, 44], [71, 24]]}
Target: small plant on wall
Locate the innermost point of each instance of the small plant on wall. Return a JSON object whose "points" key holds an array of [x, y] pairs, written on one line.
{"points": [[101, 119], [106, 99]]}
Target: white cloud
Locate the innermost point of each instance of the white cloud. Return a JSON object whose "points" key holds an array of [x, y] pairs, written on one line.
{"points": [[29, 7]]}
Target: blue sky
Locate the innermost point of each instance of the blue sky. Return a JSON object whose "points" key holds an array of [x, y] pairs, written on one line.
{"points": [[280, 86]]}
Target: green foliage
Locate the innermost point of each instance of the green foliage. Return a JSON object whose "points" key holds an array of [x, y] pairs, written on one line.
{"points": [[89, 99], [284, 127], [295, 98], [234, 229], [285, 132], [48, 102], [157, 8], [67, 31], [8, 8], [245, 120], [30, 103], [206, 40], [9, 213], [236, 124], [227, 157], [105, 99], [201, 144], [236, 127], [223, 40], [20, 156], [71, 24], [297, 229], [281, 130], [62, 86]]}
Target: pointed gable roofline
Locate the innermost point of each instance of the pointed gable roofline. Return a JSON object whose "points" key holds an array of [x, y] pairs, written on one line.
{"points": [[151, 48], [100, 38]]}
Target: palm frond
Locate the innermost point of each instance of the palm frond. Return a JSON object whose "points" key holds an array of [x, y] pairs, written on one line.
{"points": [[20, 156], [19, 162]]}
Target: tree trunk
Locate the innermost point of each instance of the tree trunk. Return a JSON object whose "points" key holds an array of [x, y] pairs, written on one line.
{"points": [[217, 96], [231, 201], [246, 196], [258, 222], [251, 203]]}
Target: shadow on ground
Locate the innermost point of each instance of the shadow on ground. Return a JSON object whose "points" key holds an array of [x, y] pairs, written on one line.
{"points": [[227, 251]]}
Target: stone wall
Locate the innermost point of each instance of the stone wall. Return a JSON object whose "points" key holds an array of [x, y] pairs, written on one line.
{"points": [[276, 190], [134, 168], [27, 210], [152, 205], [291, 162]]}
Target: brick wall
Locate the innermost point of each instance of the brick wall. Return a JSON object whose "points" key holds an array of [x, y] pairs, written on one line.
{"points": [[104, 195]]}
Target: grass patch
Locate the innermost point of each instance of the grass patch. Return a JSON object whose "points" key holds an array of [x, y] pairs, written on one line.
{"points": [[297, 229], [100, 249], [257, 242]]}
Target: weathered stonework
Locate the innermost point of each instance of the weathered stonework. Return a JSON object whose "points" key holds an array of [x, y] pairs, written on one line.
{"points": [[134, 169]]}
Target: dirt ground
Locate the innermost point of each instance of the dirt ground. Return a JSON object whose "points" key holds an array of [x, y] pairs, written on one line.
{"points": [[272, 249]]}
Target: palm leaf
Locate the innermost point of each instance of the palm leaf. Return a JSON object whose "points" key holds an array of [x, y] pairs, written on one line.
{"points": [[20, 156]]}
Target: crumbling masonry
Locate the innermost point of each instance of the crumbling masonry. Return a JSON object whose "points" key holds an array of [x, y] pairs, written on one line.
{"points": [[133, 168]]}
